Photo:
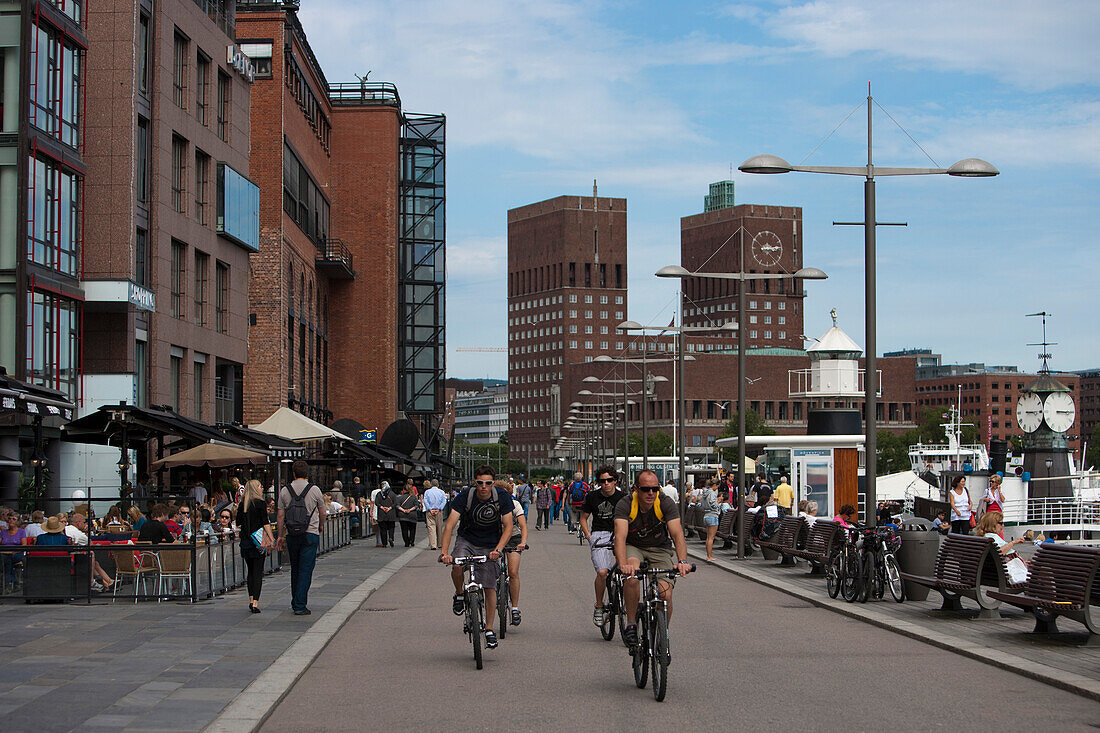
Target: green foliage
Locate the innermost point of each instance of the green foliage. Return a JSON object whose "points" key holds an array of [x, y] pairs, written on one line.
{"points": [[754, 425], [660, 443], [893, 452]]}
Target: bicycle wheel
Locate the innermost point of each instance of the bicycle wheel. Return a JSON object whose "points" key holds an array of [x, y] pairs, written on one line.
{"points": [[620, 611], [833, 572], [880, 577], [893, 579], [866, 576], [849, 575], [502, 604], [641, 652], [659, 655], [607, 629], [473, 621]]}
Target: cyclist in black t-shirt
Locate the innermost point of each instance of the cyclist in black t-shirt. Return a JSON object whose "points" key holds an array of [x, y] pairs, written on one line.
{"points": [[600, 506], [483, 519]]}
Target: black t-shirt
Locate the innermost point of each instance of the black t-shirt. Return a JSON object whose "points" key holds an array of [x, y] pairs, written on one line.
{"points": [[602, 509], [480, 524], [155, 532], [647, 530]]}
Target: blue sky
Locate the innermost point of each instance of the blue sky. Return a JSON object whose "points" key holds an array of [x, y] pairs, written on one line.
{"points": [[657, 99]]}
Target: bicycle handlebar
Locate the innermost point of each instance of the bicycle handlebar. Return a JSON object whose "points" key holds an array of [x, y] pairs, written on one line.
{"points": [[470, 560]]}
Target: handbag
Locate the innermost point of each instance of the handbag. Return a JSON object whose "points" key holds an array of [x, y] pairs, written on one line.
{"points": [[973, 521], [1017, 570], [257, 538]]}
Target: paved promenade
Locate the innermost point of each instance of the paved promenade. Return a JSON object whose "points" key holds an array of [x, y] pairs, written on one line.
{"points": [[158, 666]]}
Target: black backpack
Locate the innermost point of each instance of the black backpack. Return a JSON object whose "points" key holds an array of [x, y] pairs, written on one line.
{"points": [[470, 498], [296, 518]]}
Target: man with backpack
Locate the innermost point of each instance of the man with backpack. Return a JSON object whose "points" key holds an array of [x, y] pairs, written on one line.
{"points": [[574, 500], [482, 516], [300, 519]]}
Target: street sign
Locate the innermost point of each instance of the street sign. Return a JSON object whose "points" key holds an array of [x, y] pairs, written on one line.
{"points": [[368, 436]]}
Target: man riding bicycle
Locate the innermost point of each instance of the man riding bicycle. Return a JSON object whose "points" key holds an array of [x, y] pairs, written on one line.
{"points": [[483, 516], [573, 499], [518, 542], [647, 526], [600, 506]]}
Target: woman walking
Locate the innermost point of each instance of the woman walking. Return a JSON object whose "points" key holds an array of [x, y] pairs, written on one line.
{"points": [[961, 508], [543, 501], [252, 519], [708, 499], [407, 507], [387, 515]]}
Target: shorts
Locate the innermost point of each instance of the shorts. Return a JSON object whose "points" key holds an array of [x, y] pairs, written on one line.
{"points": [[710, 520], [659, 558], [513, 543], [485, 573], [603, 558]]}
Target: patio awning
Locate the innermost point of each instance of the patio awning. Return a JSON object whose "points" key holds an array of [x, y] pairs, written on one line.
{"points": [[211, 455], [108, 425], [278, 446], [286, 423], [33, 400]]}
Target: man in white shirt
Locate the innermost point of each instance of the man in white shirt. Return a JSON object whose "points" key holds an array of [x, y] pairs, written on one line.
{"points": [[76, 529], [669, 490], [198, 493], [374, 515], [435, 500], [35, 527]]}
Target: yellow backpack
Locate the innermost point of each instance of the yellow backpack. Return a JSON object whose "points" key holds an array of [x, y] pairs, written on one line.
{"points": [[634, 507]]}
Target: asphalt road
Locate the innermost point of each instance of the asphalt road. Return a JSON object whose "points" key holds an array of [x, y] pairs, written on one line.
{"points": [[745, 657]]}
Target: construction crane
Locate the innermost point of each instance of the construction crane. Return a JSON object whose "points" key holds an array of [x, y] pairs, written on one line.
{"points": [[493, 349]]}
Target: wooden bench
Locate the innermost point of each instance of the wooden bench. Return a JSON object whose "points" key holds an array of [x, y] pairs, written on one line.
{"points": [[1061, 581], [785, 541], [818, 546], [727, 530], [693, 521], [965, 567]]}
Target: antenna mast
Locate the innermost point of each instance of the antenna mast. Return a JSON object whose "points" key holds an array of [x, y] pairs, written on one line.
{"points": [[1045, 354]]}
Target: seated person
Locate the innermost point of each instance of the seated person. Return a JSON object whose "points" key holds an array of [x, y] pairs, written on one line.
{"points": [[155, 529], [205, 525], [35, 527], [992, 525], [940, 523], [136, 518], [808, 511], [53, 533], [845, 515]]}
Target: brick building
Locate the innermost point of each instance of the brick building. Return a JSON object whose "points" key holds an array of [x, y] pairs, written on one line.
{"points": [[987, 397], [351, 215], [770, 240], [1088, 402]]}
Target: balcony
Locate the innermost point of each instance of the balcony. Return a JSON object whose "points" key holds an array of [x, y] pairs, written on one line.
{"points": [[830, 381], [334, 261], [366, 93]]}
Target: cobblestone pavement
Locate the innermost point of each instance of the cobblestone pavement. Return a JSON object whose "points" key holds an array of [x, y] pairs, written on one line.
{"points": [[157, 666]]}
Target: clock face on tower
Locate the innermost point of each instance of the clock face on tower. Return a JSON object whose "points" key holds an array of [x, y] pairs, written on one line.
{"points": [[1029, 412], [767, 249], [1058, 411]]}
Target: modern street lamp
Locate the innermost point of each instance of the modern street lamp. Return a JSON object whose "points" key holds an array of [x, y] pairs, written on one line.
{"points": [[966, 168], [647, 382], [806, 273], [681, 407]]}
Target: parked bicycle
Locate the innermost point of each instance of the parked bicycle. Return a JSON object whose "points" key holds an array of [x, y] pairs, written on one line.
{"points": [[879, 569], [652, 651], [504, 592], [473, 596], [842, 575]]}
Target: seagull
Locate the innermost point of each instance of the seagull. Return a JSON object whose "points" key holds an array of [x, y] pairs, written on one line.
{"points": [[750, 380]]}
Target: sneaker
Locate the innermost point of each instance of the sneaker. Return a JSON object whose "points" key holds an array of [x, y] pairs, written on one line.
{"points": [[96, 586], [458, 605], [597, 616], [516, 618], [490, 639], [630, 636]]}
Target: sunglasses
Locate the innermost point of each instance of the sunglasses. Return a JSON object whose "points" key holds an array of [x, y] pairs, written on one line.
{"points": [[607, 480], [484, 483], [649, 489]]}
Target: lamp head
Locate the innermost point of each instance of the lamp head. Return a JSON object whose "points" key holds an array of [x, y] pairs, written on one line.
{"points": [[591, 379], [629, 325], [601, 359], [659, 378], [576, 404], [972, 168], [765, 164], [811, 273], [585, 392], [673, 271]]}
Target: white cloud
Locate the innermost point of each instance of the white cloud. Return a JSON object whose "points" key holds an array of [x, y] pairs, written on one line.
{"points": [[477, 258], [1035, 45]]}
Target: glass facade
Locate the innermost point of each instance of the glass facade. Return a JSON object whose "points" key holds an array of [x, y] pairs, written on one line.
{"points": [[53, 342], [239, 208], [53, 216], [55, 85], [302, 198]]}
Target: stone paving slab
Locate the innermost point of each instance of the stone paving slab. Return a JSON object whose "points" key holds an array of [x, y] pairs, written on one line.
{"points": [[159, 666], [1058, 659]]}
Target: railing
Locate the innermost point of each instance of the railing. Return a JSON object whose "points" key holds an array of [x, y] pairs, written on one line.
{"points": [[181, 571], [829, 382], [216, 11], [353, 94], [335, 251], [1059, 513]]}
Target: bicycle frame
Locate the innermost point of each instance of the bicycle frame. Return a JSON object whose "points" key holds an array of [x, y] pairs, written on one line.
{"points": [[473, 595]]}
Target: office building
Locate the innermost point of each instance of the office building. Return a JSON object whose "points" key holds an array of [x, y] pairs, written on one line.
{"points": [[481, 417]]}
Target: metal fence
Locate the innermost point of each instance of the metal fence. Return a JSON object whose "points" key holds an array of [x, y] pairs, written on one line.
{"points": [[117, 568]]}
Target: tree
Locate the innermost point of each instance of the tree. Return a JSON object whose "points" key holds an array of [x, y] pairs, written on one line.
{"points": [[503, 439], [893, 451], [660, 443], [754, 425]]}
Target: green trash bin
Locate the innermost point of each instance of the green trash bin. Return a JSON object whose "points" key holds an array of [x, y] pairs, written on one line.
{"points": [[917, 555]]}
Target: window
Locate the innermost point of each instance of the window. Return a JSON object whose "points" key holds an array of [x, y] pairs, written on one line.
{"points": [[53, 226], [588, 344], [141, 174], [781, 305], [572, 329], [179, 69], [179, 173], [752, 334], [143, 54], [603, 346], [54, 72], [588, 329], [141, 374], [767, 334], [588, 299], [53, 342], [782, 334], [178, 272], [197, 377], [572, 299], [175, 377], [603, 314], [238, 208], [302, 198], [782, 320], [752, 305], [202, 84], [223, 105], [202, 181], [767, 304], [202, 262], [588, 314], [141, 258], [572, 344], [603, 300]]}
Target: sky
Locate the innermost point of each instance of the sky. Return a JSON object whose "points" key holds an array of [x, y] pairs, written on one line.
{"points": [[656, 100]]}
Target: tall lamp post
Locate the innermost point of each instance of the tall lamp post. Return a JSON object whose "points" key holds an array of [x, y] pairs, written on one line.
{"points": [[680, 331], [806, 273], [647, 381], [966, 168], [626, 403]]}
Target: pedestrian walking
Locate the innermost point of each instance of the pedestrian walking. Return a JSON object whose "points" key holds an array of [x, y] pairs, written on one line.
{"points": [[525, 492], [544, 499], [435, 500], [408, 504], [385, 505], [378, 541], [256, 539], [301, 519]]}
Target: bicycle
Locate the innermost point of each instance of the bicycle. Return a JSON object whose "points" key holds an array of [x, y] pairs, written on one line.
{"points": [[504, 591], [878, 569], [473, 596], [652, 650], [613, 608], [842, 574]]}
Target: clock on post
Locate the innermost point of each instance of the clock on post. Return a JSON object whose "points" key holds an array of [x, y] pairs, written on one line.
{"points": [[1045, 412]]}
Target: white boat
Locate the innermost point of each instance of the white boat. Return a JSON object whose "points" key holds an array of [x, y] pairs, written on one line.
{"points": [[950, 456]]}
